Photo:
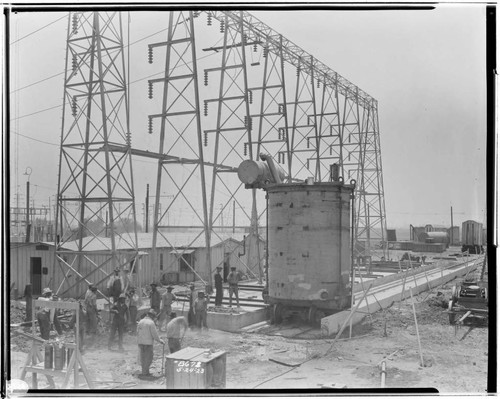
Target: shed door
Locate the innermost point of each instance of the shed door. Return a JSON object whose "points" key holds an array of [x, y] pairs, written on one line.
{"points": [[36, 275], [225, 272]]}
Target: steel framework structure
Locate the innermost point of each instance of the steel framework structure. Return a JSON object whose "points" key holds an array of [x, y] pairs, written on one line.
{"points": [[329, 120], [95, 169]]}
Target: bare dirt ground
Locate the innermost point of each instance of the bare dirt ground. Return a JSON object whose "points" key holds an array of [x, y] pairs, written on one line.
{"points": [[454, 362]]}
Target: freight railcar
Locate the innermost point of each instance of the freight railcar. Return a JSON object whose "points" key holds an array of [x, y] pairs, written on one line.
{"points": [[472, 237]]}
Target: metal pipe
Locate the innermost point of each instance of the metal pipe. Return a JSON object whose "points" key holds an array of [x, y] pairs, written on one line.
{"points": [[272, 167], [383, 375]]}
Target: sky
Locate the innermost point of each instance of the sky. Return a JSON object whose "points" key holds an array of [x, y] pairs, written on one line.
{"points": [[426, 69]]}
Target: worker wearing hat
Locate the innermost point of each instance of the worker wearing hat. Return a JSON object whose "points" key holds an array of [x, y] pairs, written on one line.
{"points": [[233, 278], [166, 306], [200, 311], [218, 287], [146, 335], [115, 285], [132, 309], [155, 298], [91, 306], [120, 312]]}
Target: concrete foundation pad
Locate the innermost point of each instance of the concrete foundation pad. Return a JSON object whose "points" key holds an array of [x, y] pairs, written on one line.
{"points": [[385, 293]]}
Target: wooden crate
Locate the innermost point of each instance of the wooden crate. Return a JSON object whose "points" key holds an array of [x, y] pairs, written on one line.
{"points": [[196, 368]]}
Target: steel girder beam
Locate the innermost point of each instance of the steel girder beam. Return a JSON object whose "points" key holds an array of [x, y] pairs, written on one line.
{"points": [[95, 117], [180, 118]]}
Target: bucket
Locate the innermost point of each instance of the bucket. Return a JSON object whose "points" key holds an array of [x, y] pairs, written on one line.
{"points": [[59, 357], [68, 356], [49, 356]]}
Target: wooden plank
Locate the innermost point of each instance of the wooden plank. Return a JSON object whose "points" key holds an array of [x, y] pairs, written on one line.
{"points": [[56, 304]]}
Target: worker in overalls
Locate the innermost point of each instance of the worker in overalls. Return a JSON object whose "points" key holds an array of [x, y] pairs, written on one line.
{"points": [[219, 290], [132, 309], [200, 311], [155, 299], [146, 335], [166, 306], [91, 307], [191, 299], [119, 311], [233, 278], [115, 285]]}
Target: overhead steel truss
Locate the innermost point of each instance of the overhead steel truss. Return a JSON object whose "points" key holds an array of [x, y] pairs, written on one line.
{"points": [[329, 120], [95, 179], [288, 104]]}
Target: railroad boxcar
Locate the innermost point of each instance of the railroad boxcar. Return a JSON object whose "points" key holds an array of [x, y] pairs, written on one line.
{"points": [[472, 237]]}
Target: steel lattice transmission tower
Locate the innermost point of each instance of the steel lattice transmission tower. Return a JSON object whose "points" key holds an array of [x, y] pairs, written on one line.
{"points": [[181, 161], [307, 122], [95, 200]]}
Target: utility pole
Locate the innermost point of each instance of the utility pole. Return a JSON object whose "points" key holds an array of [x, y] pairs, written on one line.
{"points": [[28, 203], [147, 207], [451, 232], [234, 216]]}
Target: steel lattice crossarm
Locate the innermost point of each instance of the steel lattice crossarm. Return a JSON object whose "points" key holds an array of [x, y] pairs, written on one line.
{"points": [[257, 31]]}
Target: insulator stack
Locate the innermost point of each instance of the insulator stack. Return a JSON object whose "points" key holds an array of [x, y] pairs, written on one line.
{"points": [[150, 125], [205, 139], [245, 149], [307, 163], [205, 108], [73, 106], [307, 142], [298, 71], [128, 136], [196, 14], [245, 38], [265, 52], [150, 54], [317, 84], [221, 26], [250, 96], [331, 150], [255, 47], [74, 63], [248, 122], [205, 78], [209, 19], [280, 132], [281, 108], [74, 23], [150, 89]]}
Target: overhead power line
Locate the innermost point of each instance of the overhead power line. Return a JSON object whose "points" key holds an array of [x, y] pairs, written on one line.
{"points": [[31, 138], [38, 30]]}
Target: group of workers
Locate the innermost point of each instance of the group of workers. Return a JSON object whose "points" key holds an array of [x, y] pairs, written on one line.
{"points": [[123, 310]]}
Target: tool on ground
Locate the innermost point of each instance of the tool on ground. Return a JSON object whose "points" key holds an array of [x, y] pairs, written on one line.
{"points": [[163, 358]]}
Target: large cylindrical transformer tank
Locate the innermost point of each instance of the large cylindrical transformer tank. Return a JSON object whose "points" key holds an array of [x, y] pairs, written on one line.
{"points": [[252, 172], [309, 244]]}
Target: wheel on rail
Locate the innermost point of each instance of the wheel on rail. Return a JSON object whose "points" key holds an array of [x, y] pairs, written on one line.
{"points": [[314, 316], [277, 314]]}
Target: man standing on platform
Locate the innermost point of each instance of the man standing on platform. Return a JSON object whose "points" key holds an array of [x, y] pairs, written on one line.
{"points": [[218, 287], [146, 335], [233, 278], [174, 331], [119, 311]]}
